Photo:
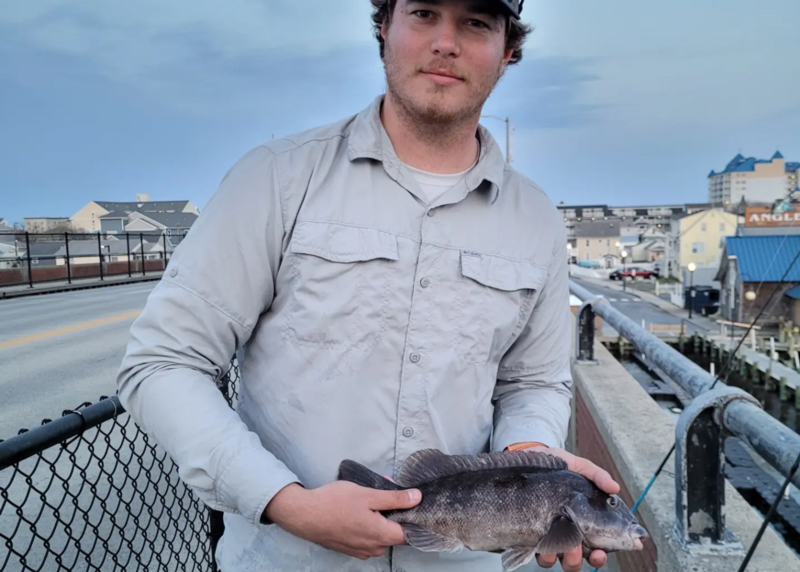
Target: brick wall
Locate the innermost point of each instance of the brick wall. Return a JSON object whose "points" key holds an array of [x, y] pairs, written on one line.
{"points": [[590, 445]]}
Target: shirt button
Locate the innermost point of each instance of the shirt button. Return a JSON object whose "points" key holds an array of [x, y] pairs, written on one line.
{"points": [[173, 272], [414, 358], [424, 282], [431, 213], [408, 432]]}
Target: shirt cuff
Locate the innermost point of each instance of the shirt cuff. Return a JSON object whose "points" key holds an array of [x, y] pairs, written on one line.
{"points": [[506, 436], [250, 482]]}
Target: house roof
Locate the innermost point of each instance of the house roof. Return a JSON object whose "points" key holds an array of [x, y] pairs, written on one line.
{"points": [[793, 292], [115, 214], [144, 207], [89, 247], [597, 229], [741, 164], [173, 220], [765, 258]]}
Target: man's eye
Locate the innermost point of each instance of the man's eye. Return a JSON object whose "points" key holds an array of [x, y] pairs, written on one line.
{"points": [[423, 13], [478, 24]]}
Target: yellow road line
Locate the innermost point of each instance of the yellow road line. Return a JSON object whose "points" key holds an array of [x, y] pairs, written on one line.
{"points": [[66, 330]]}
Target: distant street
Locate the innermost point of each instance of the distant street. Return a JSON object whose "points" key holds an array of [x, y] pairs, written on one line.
{"points": [[59, 350], [632, 306]]}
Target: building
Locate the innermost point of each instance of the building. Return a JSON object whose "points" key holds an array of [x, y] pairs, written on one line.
{"points": [[700, 236], [46, 224], [758, 264], [171, 224], [598, 240], [88, 219], [646, 232], [5, 227], [752, 180], [641, 217]]}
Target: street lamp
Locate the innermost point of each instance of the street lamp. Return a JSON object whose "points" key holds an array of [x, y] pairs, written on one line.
{"points": [[509, 134], [624, 255], [691, 268]]}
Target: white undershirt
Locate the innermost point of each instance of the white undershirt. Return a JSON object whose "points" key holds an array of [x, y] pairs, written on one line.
{"points": [[434, 185]]}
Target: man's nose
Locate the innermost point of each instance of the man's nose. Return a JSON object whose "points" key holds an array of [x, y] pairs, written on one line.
{"points": [[445, 41]]}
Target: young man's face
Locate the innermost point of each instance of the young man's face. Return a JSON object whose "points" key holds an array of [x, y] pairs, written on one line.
{"points": [[444, 57]]}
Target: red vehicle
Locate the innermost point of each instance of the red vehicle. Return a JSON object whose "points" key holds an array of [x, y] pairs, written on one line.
{"points": [[633, 272]]}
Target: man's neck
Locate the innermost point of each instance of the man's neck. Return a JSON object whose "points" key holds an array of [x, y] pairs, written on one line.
{"points": [[439, 149]]}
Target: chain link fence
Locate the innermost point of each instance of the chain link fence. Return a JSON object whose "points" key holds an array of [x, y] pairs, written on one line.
{"points": [[90, 491], [34, 258]]}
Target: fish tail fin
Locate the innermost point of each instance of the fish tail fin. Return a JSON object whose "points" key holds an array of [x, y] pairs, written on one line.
{"points": [[361, 475]]}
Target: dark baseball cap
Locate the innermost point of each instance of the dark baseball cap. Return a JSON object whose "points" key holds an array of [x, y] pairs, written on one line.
{"points": [[513, 6]]}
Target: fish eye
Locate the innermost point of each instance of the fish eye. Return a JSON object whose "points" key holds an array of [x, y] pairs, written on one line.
{"points": [[612, 502]]}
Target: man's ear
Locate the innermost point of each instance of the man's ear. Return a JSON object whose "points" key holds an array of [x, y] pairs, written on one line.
{"points": [[384, 30]]}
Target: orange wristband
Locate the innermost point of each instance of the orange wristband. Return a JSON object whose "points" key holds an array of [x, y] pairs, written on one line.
{"points": [[525, 445]]}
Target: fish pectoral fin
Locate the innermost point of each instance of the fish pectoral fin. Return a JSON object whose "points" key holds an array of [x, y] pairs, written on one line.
{"points": [[513, 558], [564, 535], [430, 541]]}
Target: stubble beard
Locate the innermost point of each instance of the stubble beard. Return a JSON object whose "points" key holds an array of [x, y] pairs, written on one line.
{"points": [[428, 114]]}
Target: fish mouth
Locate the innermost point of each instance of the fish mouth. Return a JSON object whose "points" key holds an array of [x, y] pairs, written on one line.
{"points": [[638, 532]]}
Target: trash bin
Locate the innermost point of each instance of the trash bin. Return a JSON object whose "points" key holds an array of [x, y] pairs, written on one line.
{"points": [[704, 302]]}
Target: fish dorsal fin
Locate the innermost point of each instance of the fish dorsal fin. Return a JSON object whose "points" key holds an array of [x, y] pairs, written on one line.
{"points": [[430, 464]]}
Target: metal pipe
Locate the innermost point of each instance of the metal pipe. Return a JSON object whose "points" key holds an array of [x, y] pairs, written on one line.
{"points": [[771, 439], [21, 447], [777, 444], [690, 376]]}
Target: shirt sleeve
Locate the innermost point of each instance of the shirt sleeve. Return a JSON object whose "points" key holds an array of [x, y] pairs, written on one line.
{"points": [[534, 380], [218, 282]]}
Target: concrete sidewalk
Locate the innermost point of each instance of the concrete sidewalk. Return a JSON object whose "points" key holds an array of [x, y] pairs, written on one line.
{"points": [[699, 321], [20, 290]]}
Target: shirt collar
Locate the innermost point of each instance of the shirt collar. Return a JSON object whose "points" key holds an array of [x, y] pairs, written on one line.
{"points": [[368, 139]]}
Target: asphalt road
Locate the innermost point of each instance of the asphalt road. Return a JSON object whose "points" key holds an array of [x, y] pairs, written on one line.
{"points": [[60, 350], [631, 305]]}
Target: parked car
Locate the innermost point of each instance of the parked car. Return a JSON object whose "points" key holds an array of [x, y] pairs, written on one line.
{"points": [[633, 272]]}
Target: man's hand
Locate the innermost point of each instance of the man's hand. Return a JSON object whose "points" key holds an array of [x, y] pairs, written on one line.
{"points": [[342, 516], [573, 560]]}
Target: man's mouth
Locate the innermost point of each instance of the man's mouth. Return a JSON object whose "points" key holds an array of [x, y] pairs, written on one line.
{"points": [[442, 76]]}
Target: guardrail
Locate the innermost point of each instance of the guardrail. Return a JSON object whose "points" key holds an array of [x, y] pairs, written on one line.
{"points": [[90, 491], [35, 258], [702, 427]]}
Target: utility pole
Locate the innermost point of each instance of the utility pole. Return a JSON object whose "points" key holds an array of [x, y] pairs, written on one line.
{"points": [[509, 135]]}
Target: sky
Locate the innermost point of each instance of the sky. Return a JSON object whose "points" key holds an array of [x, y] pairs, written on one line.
{"points": [[620, 102]]}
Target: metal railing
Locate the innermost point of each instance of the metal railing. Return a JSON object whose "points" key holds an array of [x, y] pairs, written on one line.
{"points": [[31, 258], [90, 491], [702, 427]]}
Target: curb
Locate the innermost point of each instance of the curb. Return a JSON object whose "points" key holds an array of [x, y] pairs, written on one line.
{"points": [[38, 291]]}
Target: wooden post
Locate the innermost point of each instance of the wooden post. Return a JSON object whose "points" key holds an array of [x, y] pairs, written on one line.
{"points": [[769, 383], [784, 391], [753, 339]]}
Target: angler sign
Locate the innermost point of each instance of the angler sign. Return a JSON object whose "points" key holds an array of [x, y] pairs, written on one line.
{"points": [[765, 216]]}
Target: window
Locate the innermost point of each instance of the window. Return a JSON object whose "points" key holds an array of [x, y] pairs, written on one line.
{"points": [[587, 243], [722, 227], [703, 227], [698, 248]]}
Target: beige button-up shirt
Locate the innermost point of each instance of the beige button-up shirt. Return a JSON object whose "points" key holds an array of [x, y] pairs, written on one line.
{"points": [[370, 325]]}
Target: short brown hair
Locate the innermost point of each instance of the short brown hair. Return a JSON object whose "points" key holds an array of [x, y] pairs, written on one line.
{"points": [[516, 31]]}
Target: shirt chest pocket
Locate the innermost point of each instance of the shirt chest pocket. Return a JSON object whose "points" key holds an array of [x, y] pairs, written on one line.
{"points": [[340, 280], [493, 296]]}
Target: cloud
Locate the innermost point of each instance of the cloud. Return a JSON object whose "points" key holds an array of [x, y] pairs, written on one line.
{"points": [[145, 43]]}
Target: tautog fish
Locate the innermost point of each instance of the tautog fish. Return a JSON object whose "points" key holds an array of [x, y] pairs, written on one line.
{"points": [[518, 504]]}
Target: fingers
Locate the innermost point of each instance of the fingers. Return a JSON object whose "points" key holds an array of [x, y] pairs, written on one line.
{"points": [[546, 560], [572, 561], [598, 558], [390, 500]]}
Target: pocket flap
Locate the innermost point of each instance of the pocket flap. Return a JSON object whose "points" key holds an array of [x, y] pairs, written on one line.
{"points": [[342, 243], [501, 273]]}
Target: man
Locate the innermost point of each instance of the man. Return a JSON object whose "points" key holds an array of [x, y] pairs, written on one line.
{"points": [[394, 286]]}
